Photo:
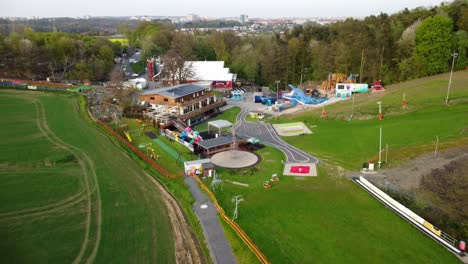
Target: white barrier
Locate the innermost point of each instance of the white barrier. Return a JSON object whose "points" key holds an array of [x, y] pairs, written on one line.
{"points": [[403, 211]]}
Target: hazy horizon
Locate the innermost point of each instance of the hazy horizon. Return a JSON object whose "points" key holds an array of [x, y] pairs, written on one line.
{"points": [[207, 8]]}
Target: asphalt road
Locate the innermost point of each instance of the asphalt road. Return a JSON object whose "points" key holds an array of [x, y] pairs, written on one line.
{"points": [[267, 135], [218, 245]]}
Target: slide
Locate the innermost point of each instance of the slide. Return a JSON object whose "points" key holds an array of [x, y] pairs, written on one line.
{"points": [[300, 97]]}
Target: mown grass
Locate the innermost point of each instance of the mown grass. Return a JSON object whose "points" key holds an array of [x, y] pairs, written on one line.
{"points": [[405, 131], [135, 226], [324, 219]]}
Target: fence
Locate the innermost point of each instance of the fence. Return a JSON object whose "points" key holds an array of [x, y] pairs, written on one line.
{"points": [[233, 224], [137, 151]]}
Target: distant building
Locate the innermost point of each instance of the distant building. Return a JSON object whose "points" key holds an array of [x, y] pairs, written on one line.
{"points": [[244, 18], [212, 72]]}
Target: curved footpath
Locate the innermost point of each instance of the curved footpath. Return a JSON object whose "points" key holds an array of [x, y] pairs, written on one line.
{"points": [[267, 134], [218, 245]]}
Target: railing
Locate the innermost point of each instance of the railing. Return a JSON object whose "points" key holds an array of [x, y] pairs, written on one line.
{"points": [[202, 110]]}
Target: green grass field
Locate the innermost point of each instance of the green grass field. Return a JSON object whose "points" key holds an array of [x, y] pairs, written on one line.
{"points": [[329, 219], [408, 132], [324, 219], [68, 193]]}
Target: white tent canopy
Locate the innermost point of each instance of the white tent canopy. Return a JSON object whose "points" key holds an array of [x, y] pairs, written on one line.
{"points": [[219, 124]]}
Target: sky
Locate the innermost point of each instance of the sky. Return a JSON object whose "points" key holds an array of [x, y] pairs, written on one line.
{"points": [[208, 8]]}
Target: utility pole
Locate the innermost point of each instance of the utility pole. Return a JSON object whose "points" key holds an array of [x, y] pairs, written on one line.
{"points": [[381, 63], [277, 98], [436, 146], [380, 110], [454, 56], [236, 199], [362, 64], [380, 148]]}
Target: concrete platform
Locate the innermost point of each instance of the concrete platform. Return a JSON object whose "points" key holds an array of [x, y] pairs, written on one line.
{"points": [[234, 159], [312, 169], [291, 129]]}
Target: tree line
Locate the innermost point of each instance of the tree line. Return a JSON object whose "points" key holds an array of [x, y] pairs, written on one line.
{"points": [[402, 46], [56, 55], [406, 45]]}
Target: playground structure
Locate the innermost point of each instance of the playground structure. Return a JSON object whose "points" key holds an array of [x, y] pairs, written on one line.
{"points": [[334, 78], [297, 96], [345, 90], [190, 136], [237, 95], [377, 86], [151, 152], [267, 99]]}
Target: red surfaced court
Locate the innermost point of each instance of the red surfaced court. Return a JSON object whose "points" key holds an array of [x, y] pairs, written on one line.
{"points": [[300, 169]]}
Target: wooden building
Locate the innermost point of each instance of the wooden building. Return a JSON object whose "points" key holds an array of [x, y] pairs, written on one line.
{"points": [[187, 102]]}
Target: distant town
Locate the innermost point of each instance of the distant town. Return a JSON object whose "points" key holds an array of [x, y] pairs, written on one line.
{"points": [[243, 24]]}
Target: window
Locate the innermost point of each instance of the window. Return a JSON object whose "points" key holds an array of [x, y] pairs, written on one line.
{"points": [[151, 98], [166, 100], [341, 87]]}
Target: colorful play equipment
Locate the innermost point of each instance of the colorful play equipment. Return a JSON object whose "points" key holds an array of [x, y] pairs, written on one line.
{"points": [[377, 86], [237, 95], [297, 96], [128, 136], [151, 153], [274, 178], [191, 136], [345, 90]]}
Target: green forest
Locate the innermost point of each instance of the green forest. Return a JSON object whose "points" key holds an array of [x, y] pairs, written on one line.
{"points": [[397, 47]]}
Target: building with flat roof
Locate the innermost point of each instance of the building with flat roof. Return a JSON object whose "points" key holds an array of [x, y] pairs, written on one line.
{"points": [[213, 72], [182, 104]]}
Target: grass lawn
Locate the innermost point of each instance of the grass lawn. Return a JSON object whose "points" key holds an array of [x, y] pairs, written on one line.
{"points": [[324, 219], [408, 132], [169, 162], [68, 193], [229, 115]]}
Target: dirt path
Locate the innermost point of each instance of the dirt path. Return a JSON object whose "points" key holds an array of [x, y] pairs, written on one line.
{"points": [[407, 177], [186, 245]]}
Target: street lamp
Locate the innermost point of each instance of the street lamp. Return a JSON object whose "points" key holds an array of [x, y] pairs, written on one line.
{"points": [[454, 56], [277, 98]]}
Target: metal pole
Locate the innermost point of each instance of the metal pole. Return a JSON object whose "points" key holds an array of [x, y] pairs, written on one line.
{"points": [[360, 70], [454, 56], [277, 98], [437, 145], [380, 148], [386, 154]]}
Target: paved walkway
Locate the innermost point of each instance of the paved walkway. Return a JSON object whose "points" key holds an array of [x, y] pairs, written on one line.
{"points": [[220, 250], [267, 134]]}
